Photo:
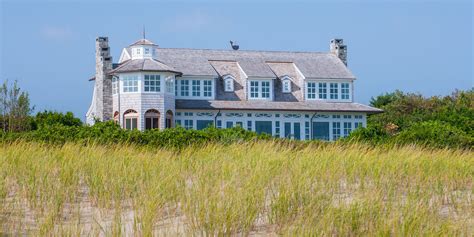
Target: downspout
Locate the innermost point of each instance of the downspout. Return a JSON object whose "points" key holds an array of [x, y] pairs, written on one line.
{"points": [[311, 125], [118, 103], [215, 118]]}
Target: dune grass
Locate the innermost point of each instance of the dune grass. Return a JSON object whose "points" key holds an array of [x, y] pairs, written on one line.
{"points": [[249, 188]]}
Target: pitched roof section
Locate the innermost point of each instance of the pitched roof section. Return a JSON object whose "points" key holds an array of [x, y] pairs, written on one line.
{"points": [[281, 69], [137, 65], [313, 106], [253, 63], [143, 42], [223, 68]]}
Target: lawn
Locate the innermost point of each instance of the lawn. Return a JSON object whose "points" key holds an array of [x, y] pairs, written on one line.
{"points": [[257, 188]]}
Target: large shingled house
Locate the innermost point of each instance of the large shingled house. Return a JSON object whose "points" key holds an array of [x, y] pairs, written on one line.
{"points": [[300, 95]]}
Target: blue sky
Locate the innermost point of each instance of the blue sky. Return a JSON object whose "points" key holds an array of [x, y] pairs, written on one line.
{"points": [[416, 46]]}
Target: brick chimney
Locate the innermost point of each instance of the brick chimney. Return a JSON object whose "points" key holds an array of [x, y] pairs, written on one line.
{"points": [[103, 82], [338, 48]]}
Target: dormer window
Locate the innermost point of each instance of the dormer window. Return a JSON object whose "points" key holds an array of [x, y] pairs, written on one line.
{"points": [[228, 83], [147, 51], [286, 84], [138, 51]]}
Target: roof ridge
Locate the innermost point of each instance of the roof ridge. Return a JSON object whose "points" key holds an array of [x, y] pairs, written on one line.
{"points": [[250, 50]]}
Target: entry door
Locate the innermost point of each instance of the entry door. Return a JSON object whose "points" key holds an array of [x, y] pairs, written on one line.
{"points": [[321, 130]]}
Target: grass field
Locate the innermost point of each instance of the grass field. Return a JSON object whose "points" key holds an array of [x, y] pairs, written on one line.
{"points": [[262, 188]]}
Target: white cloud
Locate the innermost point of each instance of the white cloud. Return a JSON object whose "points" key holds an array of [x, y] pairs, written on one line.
{"points": [[56, 33]]}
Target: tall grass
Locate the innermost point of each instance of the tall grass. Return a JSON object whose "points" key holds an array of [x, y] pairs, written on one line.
{"points": [[247, 188]]}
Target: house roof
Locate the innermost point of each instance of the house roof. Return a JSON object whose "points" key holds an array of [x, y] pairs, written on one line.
{"points": [[148, 64], [254, 63], [314, 106], [143, 42]]}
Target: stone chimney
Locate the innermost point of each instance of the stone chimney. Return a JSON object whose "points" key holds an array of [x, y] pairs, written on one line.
{"points": [[103, 82], [338, 48]]}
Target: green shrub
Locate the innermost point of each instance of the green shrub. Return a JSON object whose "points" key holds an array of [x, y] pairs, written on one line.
{"points": [[46, 118]]}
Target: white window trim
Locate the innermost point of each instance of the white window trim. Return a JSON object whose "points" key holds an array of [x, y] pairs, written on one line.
{"points": [[260, 89], [286, 79], [190, 89], [161, 84], [139, 83], [229, 79], [328, 90]]}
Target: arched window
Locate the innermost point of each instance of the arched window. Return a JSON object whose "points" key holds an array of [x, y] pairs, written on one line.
{"points": [[130, 118], [286, 84], [152, 118], [116, 117], [228, 83], [169, 119]]}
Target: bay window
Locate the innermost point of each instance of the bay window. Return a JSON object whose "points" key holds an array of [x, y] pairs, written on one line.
{"points": [[130, 83], [152, 83]]}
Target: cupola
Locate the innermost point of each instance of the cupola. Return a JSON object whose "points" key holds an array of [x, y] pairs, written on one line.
{"points": [[143, 49]]}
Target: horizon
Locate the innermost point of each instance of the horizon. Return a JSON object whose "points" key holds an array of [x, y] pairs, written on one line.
{"points": [[63, 56]]}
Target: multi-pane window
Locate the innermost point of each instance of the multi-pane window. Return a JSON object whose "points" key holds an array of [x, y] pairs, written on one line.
{"points": [[196, 88], [207, 88], [277, 128], [347, 128], [184, 87], [249, 125], [333, 91], [345, 91], [323, 90], [114, 85], [152, 83], [286, 86], [229, 85], [336, 116], [169, 85], [254, 89], [311, 90], [265, 89], [131, 123], [306, 130], [347, 116], [130, 83], [219, 124], [357, 125], [188, 123], [358, 116], [336, 130], [260, 89]]}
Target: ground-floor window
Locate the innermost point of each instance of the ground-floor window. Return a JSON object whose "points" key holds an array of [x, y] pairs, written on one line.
{"points": [[202, 124], [263, 127], [357, 125], [277, 128], [219, 124], [130, 119], [321, 130], [347, 128], [188, 124], [151, 119], [336, 130]]}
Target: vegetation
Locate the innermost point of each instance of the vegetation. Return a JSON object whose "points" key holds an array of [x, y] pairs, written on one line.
{"points": [[14, 108], [259, 187], [411, 118]]}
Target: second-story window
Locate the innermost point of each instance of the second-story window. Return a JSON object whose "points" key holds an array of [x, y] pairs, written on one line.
{"points": [[152, 83], [260, 90], [311, 90], [130, 84], [184, 87], [196, 89], [207, 88], [114, 85], [286, 86], [345, 91], [323, 90], [169, 85], [254, 89], [333, 91], [228, 84]]}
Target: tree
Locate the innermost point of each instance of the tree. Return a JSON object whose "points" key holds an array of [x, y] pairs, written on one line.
{"points": [[15, 108]]}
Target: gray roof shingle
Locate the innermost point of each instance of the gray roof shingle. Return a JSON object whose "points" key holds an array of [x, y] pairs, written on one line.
{"points": [[143, 65], [314, 106], [253, 63]]}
